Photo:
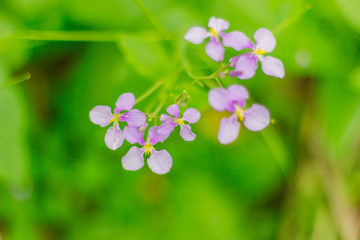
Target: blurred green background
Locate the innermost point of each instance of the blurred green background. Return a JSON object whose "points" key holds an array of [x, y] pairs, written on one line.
{"points": [[298, 179]]}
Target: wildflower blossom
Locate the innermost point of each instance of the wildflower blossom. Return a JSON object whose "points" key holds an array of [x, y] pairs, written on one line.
{"points": [[233, 100], [159, 162], [246, 64], [103, 116], [214, 49], [191, 115]]}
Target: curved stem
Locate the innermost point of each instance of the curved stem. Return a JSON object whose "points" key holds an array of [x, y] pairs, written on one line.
{"points": [[149, 92]]}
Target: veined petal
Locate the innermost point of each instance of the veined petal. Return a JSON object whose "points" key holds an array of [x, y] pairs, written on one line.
{"points": [[272, 66], [134, 118], [174, 110], [218, 99], [237, 94], [134, 159], [218, 24], [165, 129], [265, 40], [134, 135], [236, 40], [101, 115], [215, 50], [166, 118], [246, 64], [126, 102], [160, 162], [158, 133], [114, 138], [228, 130], [186, 133], [191, 115], [196, 35], [256, 118]]}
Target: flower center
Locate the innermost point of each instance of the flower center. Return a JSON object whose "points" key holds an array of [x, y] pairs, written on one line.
{"points": [[180, 121], [115, 119], [213, 32], [147, 148], [239, 112], [260, 52]]}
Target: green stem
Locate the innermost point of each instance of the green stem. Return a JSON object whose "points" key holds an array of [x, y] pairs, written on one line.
{"points": [[18, 80], [149, 92], [152, 19]]}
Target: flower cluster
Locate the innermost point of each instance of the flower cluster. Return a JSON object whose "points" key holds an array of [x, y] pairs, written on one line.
{"points": [[159, 161], [133, 125]]}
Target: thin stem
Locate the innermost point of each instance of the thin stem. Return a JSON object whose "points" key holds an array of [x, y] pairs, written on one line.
{"points": [[18, 80], [149, 92], [152, 19], [78, 36], [218, 82]]}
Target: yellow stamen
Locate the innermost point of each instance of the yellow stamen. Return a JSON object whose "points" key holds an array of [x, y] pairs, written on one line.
{"points": [[260, 52], [213, 32], [147, 147], [180, 121], [115, 119], [239, 113]]}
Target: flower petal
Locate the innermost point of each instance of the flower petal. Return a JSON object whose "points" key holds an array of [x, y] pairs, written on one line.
{"points": [[134, 159], [166, 118], [215, 50], [165, 129], [228, 130], [247, 64], [236, 40], [159, 133], [160, 162], [114, 138], [126, 102], [101, 115], [134, 135], [256, 118], [134, 118], [186, 133], [174, 110], [265, 40], [237, 94], [191, 115], [218, 24], [218, 99], [196, 35], [233, 60], [272, 66]]}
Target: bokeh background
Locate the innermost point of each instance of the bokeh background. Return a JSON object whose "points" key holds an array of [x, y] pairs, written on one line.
{"points": [[298, 179]]}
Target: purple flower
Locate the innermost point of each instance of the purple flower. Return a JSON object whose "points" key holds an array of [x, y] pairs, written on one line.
{"points": [[191, 115], [246, 64], [102, 115], [214, 49], [233, 99], [159, 162]]}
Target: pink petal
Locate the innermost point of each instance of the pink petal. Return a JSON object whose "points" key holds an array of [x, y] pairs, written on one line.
{"points": [[256, 118], [215, 50], [134, 118], [272, 66], [186, 133], [237, 94], [166, 118], [125, 102], [228, 130], [191, 115], [114, 138], [134, 135], [159, 133], [196, 35], [101, 115], [218, 24], [174, 110], [236, 40], [160, 162], [134, 159], [218, 99], [265, 40], [233, 60], [246, 64]]}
